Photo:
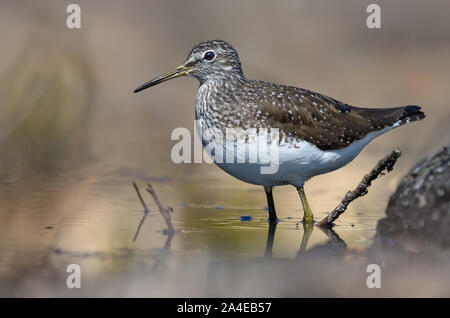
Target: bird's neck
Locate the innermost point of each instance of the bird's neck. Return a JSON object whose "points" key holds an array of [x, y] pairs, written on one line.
{"points": [[216, 99], [234, 76]]}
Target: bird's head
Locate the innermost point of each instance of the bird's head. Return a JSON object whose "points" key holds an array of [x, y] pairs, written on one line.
{"points": [[208, 60]]}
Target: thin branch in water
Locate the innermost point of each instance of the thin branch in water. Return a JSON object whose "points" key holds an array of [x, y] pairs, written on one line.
{"points": [[165, 211], [387, 163], [146, 209], [146, 212]]}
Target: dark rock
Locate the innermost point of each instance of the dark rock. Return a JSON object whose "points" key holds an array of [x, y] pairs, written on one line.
{"points": [[418, 211]]}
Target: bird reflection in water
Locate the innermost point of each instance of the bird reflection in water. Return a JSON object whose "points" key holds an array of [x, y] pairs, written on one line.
{"points": [[336, 241]]}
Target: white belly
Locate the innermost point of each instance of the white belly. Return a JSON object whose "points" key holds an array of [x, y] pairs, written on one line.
{"points": [[291, 164]]}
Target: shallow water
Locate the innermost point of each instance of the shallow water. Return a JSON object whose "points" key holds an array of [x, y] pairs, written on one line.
{"points": [[49, 223]]}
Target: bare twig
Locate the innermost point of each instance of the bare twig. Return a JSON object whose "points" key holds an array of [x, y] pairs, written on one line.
{"points": [[387, 163], [165, 211], [146, 210]]}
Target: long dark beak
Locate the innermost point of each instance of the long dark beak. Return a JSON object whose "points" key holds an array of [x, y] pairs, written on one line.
{"points": [[181, 70]]}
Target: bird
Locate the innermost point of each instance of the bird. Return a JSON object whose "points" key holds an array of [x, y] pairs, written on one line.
{"points": [[316, 134]]}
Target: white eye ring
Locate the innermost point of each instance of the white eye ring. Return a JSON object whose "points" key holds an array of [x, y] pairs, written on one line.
{"points": [[209, 56]]}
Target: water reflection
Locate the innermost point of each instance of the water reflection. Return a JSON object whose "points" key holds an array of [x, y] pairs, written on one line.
{"points": [[335, 239], [270, 238], [272, 226], [199, 260]]}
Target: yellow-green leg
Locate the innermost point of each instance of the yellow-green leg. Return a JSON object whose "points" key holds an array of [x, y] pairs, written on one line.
{"points": [[308, 215]]}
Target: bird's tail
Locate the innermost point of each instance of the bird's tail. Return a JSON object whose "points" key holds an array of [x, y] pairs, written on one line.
{"points": [[411, 113], [392, 116]]}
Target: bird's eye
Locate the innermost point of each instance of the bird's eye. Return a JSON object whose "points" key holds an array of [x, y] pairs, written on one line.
{"points": [[209, 56]]}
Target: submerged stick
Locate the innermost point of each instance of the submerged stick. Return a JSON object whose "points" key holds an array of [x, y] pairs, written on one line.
{"points": [[387, 163], [165, 211], [146, 210]]}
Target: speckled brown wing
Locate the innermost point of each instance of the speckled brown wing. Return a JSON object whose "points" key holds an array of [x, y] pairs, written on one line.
{"points": [[321, 120]]}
